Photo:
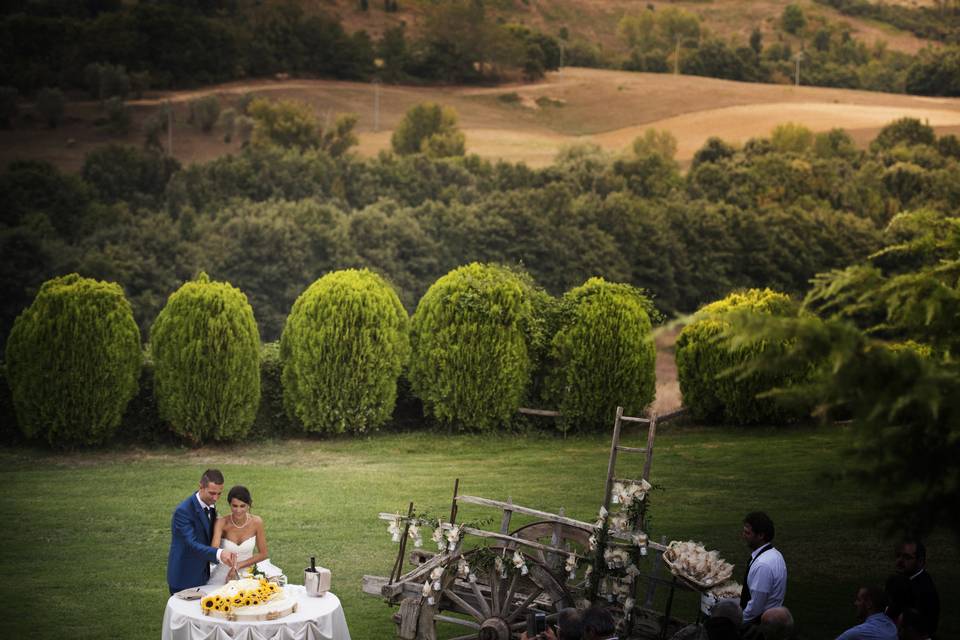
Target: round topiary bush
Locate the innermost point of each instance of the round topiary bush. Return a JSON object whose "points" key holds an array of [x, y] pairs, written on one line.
{"points": [[73, 361], [602, 354], [344, 344], [206, 352], [471, 362], [710, 391]]}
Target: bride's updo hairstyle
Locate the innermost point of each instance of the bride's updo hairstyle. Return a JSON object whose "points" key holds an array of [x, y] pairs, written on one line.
{"points": [[241, 493]]}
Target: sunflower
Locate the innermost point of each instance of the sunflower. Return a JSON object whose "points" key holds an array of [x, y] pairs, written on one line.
{"points": [[237, 599], [207, 603], [227, 607]]}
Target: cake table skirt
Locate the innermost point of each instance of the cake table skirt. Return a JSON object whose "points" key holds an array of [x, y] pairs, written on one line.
{"points": [[315, 619]]}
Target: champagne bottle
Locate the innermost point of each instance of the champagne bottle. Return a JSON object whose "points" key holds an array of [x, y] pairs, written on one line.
{"points": [[313, 564]]}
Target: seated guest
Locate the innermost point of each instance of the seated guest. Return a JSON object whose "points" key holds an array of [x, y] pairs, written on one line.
{"points": [[913, 626], [871, 602], [598, 624], [911, 562], [569, 624], [724, 621], [723, 624], [776, 624]]}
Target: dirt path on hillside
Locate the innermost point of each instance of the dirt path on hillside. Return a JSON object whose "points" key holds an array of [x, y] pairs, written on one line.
{"points": [[668, 396]]}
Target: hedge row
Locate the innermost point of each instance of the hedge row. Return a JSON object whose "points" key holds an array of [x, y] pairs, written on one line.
{"points": [[483, 341]]}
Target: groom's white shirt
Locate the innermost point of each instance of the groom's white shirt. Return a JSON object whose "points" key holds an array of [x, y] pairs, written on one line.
{"points": [[205, 506]]}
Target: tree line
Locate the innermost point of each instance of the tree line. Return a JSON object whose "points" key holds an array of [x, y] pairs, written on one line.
{"points": [[271, 218]]}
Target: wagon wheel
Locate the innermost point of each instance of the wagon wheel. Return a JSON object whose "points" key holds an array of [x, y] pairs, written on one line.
{"points": [[497, 606], [561, 536]]}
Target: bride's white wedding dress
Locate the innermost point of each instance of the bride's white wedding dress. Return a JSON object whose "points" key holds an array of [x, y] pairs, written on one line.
{"points": [[244, 551]]}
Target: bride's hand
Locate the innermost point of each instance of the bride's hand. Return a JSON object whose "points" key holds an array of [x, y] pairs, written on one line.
{"points": [[232, 575]]}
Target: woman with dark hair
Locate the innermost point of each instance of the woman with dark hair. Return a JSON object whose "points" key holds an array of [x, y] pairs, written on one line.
{"points": [[240, 532]]}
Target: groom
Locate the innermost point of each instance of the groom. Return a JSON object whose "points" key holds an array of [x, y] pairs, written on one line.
{"points": [[192, 529]]}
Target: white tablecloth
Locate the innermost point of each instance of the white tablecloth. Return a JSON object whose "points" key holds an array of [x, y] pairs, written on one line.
{"points": [[315, 619]]}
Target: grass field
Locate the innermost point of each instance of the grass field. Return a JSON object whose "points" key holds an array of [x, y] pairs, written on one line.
{"points": [[88, 533]]}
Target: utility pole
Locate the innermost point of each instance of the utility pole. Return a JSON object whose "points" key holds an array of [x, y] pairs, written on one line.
{"points": [[376, 105], [676, 58], [169, 128], [798, 58]]}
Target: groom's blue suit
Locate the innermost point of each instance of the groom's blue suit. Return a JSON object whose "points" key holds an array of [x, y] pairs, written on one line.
{"points": [[188, 564]]}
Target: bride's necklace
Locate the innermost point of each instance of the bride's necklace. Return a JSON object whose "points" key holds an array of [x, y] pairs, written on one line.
{"points": [[246, 521]]}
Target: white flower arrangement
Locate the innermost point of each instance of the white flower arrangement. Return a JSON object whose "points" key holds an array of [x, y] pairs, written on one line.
{"points": [[520, 563], [602, 517], [453, 537], [626, 494], [500, 567], [616, 558], [463, 569], [438, 537], [394, 530], [414, 533], [571, 566]]}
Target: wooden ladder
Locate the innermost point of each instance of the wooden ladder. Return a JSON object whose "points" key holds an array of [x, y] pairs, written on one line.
{"points": [[616, 447]]}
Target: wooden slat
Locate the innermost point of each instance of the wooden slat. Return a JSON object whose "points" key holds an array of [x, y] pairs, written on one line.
{"points": [[626, 480], [458, 621], [651, 434], [631, 449], [480, 533], [539, 412], [632, 419], [515, 508]]}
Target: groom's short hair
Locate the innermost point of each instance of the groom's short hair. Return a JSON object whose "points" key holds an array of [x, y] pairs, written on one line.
{"points": [[211, 475]]}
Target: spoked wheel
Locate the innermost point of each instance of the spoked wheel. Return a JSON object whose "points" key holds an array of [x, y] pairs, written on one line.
{"points": [[560, 536], [496, 606]]}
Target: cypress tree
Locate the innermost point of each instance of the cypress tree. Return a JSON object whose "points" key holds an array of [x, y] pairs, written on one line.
{"points": [[705, 364], [73, 361], [602, 354], [206, 350], [471, 363], [342, 350]]}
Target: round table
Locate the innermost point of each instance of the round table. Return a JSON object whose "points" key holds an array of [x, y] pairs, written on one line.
{"points": [[315, 619]]}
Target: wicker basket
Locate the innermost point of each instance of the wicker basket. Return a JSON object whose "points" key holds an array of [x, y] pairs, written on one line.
{"points": [[694, 582]]}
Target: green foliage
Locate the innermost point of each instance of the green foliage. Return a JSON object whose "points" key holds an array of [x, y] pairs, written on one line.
{"points": [[935, 72], [343, 348], [792, 19], [204, 112], [73, 360], [905, 131], [428, 128], [117, 116], [602, 354], [711, 390], [791, 137], [51, 104], [106, 81], [887, 330], [287, 123], [472, 346], [206, 350], [126, 173], [9, 107], [835, 143]]}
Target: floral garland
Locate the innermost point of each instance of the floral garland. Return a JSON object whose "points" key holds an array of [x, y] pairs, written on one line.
{"points": [[614, 569]]}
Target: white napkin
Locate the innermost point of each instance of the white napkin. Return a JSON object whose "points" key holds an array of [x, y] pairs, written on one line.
{"points": [[269, 569]]}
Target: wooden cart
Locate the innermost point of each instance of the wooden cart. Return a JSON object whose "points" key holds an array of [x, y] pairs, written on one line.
{"points": [[530, 568]]}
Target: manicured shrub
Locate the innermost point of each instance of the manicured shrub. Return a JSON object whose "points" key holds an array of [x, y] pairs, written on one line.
{"points": [[73, 360], [343, 347], [472, 350], [206, 351], [710, 391], [602, 354]]}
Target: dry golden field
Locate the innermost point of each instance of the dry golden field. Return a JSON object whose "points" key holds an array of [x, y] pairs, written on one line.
{"points": [[609, 108]]}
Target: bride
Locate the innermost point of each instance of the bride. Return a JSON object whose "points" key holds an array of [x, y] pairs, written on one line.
{"points": [[240, 532]]}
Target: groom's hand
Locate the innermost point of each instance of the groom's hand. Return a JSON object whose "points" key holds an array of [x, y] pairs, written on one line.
{"points": [[227, 557]]}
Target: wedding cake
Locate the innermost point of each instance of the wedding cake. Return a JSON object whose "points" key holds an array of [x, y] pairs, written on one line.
{"points": [[248, 599]]}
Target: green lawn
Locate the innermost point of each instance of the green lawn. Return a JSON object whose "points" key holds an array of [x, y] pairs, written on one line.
{"points": [[88, 536]]}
